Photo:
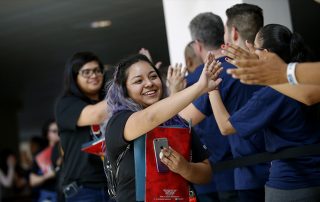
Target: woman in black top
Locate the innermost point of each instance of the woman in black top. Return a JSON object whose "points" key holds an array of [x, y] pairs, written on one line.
{"points": [[45, 179], [78, 110], [135, 106]]}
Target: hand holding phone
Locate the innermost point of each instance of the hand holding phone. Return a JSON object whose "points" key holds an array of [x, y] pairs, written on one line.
{"points": [[158, 145]]}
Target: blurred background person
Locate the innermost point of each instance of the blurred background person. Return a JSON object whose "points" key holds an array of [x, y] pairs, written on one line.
{"points": [[79, 111], [43, 176], [7, 173]]}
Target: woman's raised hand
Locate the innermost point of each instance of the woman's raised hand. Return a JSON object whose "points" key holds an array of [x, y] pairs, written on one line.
{"points": [[209, 79]]}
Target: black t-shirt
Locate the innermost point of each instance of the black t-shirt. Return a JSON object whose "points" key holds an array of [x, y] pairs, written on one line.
{"points": [[84, 168], [49, 184], [116, 144]]}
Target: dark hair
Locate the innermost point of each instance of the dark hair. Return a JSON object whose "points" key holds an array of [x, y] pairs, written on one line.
{"points": [[40, 142], [117, 95], [280, 40], [46, 127], [72, 67], [207, 28], [246, 18]]}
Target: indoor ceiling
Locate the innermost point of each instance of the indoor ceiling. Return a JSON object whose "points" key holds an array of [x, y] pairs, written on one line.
{"points": [[37, 37]]}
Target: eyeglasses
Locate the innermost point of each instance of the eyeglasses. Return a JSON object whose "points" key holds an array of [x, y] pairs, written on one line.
{"points": [[87, 73]]}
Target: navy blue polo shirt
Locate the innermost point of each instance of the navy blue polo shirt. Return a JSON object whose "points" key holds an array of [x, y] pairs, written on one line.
{"points": [[287, 123], [217, 145], [234, 95]]}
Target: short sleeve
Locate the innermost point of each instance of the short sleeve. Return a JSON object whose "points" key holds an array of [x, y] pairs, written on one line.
{"points": [[258, 113], [68, 111], [203, 104], [115, 141]]}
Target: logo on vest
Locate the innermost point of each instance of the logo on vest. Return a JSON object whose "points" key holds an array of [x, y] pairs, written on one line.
{"points": [[169, 192]]}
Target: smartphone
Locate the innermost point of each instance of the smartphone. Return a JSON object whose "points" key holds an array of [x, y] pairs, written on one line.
{"points": [[158, 144]]}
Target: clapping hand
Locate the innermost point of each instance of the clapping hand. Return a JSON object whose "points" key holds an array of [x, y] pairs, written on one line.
{"points": [[209, 78], [176, 78]]}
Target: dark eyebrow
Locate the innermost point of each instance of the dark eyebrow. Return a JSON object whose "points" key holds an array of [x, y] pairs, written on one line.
{"points": [[152, 71], [97, 67], [138, 76]]}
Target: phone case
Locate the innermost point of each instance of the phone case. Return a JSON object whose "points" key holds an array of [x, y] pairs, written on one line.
{"points": [[158, 144]]}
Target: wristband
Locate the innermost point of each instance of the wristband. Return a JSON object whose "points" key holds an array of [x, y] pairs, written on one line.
{"points": [[291, 73]]}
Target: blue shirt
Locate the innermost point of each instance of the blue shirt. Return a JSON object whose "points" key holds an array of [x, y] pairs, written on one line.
{"points": [[217, 145], [286, 123], [234, 95]]}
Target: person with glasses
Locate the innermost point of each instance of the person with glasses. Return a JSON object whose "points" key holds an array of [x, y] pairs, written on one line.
{"points": [[79, 110], [43, 177]]}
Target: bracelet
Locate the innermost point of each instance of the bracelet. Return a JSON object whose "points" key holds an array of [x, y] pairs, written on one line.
{"points": [[291, 73]]}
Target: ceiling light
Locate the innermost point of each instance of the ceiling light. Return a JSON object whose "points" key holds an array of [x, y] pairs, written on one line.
{"points": [[100, 24]]}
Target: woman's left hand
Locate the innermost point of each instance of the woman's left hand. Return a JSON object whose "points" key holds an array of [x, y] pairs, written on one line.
{"points": [[174, 161]]}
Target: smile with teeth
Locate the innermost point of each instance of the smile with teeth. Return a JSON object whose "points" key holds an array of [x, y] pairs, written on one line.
{"points": [[150, 93]]}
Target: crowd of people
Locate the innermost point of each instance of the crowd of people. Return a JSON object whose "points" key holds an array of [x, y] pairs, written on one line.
{"points": [[248, 88]]}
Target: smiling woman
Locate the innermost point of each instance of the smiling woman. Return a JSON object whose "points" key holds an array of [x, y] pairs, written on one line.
{"points": [[135, 106], [143, 84], [78, 111]]}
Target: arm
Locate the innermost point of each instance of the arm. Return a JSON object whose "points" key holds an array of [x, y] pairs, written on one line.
{"points": [[93, 114], [36, 180], [220, 113], [6, 181], [145, 120], [308, 73], [198, 173], [307, 94], [193, 114]]}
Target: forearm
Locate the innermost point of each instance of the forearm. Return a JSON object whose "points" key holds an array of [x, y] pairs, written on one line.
{"points": [[36, 180], [220, 113], [198, 173], [145, 120], [93, 114], [307, 94], [308, 73], [6, 181]]}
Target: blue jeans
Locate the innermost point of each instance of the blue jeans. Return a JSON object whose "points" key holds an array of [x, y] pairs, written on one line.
{"points": [[86, 194], [47, 196]]}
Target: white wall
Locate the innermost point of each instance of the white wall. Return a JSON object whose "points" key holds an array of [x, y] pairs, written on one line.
{"points": [[178, 14]]}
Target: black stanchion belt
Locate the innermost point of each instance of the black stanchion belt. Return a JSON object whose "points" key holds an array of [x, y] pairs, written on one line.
{"points": [[287, 153]]}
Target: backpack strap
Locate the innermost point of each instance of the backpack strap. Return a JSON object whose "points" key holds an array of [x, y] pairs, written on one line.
{"points": [[119, 159], [112, 178]]}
